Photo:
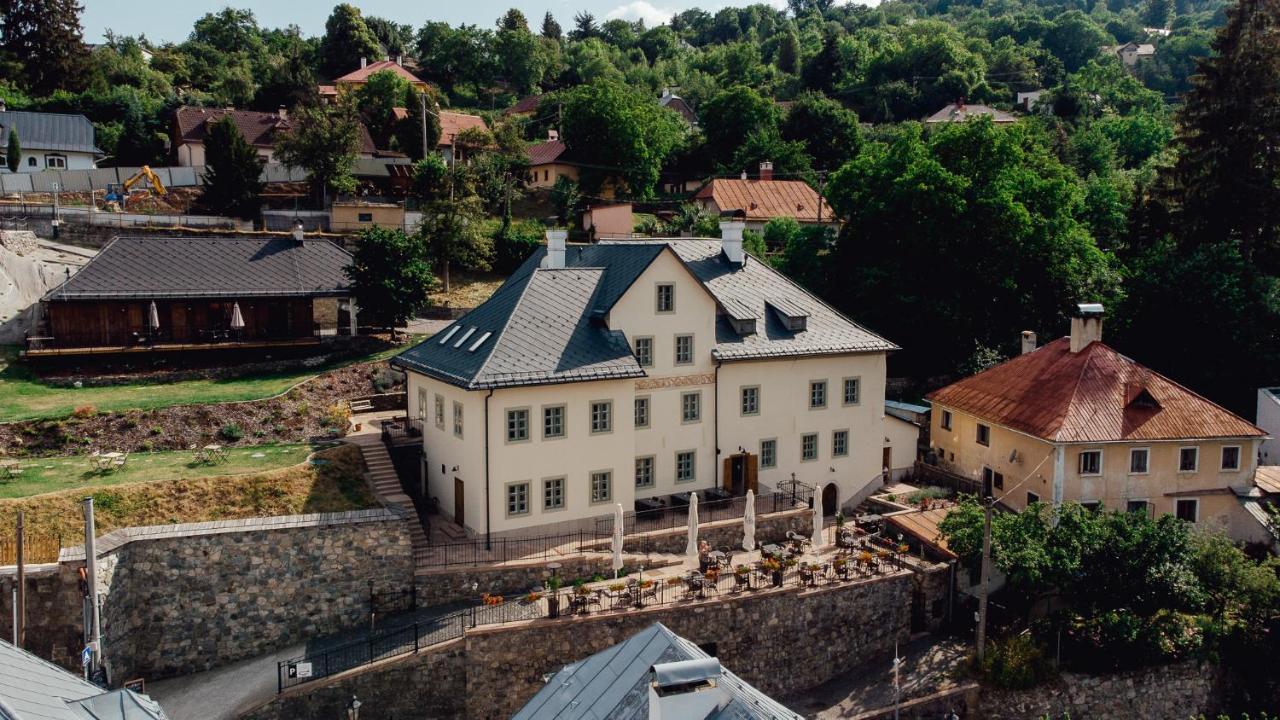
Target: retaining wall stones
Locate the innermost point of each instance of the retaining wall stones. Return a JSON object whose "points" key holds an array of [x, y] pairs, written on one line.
{"points": [[1172, 692], [462, 584], [54, 628]]}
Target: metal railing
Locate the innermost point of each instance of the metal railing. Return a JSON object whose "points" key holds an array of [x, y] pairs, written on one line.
{"points": [[496, 550], [675, 513], [142, 337]]}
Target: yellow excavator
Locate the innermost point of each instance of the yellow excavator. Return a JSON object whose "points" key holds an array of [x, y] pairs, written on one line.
{"points": [[118, 194]]}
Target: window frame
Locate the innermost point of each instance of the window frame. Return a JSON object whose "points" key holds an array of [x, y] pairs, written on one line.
{"points": [[60, 165], [546, 485], [857, 390], [1195, 514], [1146, 464], [1080, 456], [1129, 503], [439, 410], [458, 418], [1031, 495], [564, 421], [944, 422], [653, 471], [675, 354], [657, 298], [513, 485], [773, 458], [836, 450], [608, 416], [693, 466], [822, 388], [1222, 458], [528, 434], [591, 486], [742, 400], [696, 396], [803, 438], [978, 434], [635, 349], [1196, 467], [647, 402]]}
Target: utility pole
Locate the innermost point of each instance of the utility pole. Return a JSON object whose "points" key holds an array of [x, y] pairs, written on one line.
{"points": [[20, 605], [91, 579], [822, 181], [986, 575]]}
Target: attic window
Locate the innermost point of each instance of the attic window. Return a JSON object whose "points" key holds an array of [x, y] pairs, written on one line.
{"points": [[1141, 398], [479, 342], [449, 334], [794, 317], [743, 326], [464, 337]]}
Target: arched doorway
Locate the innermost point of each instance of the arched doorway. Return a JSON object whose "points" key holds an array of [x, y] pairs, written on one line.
{"points": [[830, 499]]}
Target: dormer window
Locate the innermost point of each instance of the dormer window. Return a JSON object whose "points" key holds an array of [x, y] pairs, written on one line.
{"points": [[1139, 397], [794, 317], [742, 318]]}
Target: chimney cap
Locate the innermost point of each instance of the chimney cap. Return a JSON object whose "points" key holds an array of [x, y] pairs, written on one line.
{"points": [[1090, 310], [684, 672]]}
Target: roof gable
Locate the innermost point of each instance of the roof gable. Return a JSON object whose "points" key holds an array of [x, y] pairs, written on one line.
{"points": [[49, 131], [361, 75], [1088, 396]]}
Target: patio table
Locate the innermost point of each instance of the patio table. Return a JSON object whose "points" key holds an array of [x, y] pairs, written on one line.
{"points": [[648, 505], [106, 461], [12, 468], [215, 452], [771, 550]]}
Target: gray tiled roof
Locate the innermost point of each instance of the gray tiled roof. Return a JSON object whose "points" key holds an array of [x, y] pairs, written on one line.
{"points": [[49, 131], [614, 684], [545, 326], [143, 268], [33, 689]]}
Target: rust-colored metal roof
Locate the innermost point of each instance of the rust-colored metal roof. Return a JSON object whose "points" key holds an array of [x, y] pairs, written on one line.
{"points": [[924, 526], [1095, 395], [1268, 479], [525, 106], [545, 152], [362, 75], [452, 123], [767, 199]]}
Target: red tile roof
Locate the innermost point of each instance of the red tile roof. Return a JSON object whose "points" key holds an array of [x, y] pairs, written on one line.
{"points": [[545, 152], [258, 128], [525, 105], [452, 123], [362, 75], [1061, 396], [767, 199]]}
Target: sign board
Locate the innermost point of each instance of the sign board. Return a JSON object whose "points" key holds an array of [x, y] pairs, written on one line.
{"points": [[54, 186], [137, 685], [86, 656], [304, 670]]}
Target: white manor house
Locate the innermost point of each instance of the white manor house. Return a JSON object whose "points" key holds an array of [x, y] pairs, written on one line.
{"points": [[637, 369]]}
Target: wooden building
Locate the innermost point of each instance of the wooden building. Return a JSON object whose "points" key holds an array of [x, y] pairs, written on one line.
{"points": [[150, 294]]}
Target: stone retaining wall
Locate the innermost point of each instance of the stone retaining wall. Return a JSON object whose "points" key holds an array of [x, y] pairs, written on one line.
{"points": [[1173, 691], [54, 628], [462, 584]]}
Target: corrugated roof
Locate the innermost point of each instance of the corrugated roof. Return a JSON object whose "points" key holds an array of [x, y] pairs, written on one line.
{"points": [[545, 152], [1268, 479], [767, 199], [49, 131], [957, 112], [614, 684], [1061, 396], [257, 128], [144, 268], [33, 689], [361, 75], [452, 123]]}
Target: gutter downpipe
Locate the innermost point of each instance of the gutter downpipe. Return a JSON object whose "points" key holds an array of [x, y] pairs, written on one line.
{"points": [[715, 424], [488, 544]]}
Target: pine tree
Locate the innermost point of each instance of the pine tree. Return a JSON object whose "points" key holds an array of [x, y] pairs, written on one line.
{"points": [[346, 40], [13, 153], [550, 28], [789, 54], [584, 26], [513, 20], [45, 36], [1157, 13], [233, 172], [1227, 177]]}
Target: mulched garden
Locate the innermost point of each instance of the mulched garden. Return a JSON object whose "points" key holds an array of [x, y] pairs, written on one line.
{"points": [[314, 410]]}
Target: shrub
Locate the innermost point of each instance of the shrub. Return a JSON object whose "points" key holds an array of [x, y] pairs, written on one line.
{"points": [[1016, 663], [385, 379], [230, 432], [337, 415], [157, 430], [84, 411], [304, 409], [129, 424]]}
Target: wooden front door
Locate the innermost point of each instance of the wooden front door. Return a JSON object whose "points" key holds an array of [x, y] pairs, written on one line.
{"points": [[741, 474], [830, 499], [459, 516]]}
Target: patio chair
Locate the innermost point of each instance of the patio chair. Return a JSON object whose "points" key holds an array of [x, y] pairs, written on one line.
{"points": [[120, 462]]}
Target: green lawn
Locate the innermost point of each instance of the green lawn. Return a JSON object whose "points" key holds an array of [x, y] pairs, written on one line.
{"points": [[44, 475], [24, 397]]}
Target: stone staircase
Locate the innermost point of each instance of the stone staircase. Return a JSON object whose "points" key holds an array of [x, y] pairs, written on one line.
{"points": [[381, 475]]}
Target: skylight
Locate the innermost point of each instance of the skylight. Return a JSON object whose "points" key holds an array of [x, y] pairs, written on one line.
{"points": [[449, 334], [479, 342], [464, 337]]}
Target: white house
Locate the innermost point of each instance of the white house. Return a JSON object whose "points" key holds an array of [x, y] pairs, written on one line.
{"points": [[49, 141], [1269, 420], [634, 369]]}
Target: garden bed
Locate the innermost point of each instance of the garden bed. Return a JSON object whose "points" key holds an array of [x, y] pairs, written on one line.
{"points": [[313, 410]]}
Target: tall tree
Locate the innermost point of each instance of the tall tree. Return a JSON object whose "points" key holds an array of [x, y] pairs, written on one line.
{"points": [[550, 28], [1157, 13], [626, 132], [347, 39], [233, 172], [513, 20], [788, 59], [584, 26], [377, 99], [733, 115], [13, 151], [394, 37], [323, 141], [829, 132], [45, 36], [391, 274]]}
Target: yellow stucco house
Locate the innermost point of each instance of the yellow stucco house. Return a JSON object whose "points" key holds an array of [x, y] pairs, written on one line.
{"points": [[625, 370], [1075, 420]]}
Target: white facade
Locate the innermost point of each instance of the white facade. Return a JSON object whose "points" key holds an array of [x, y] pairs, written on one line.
{"points": [[34, 160], [1269, 420]]}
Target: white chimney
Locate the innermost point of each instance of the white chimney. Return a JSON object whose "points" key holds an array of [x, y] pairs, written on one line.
{"points": [[1028, 342], [364, 63], [283, 112], [3, 107], [1086, 326], [731, 240], [298, 233], [400, 60], [553, 134], [766, 170], [555, 249], [686, 689], [744, 174]]}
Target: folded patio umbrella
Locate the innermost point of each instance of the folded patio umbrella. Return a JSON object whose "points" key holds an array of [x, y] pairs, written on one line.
{"points": [[153, 317], [817, 521], [237, 320], [691, 550], [617, 539], [749, 523]]}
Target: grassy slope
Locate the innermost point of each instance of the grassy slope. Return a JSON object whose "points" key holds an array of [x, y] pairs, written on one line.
{"points": [[335, 485], [24, 397]]}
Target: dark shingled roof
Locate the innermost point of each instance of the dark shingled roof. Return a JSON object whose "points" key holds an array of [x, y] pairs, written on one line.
{"points": [[546, 326], [147, 268], [49, 131]]}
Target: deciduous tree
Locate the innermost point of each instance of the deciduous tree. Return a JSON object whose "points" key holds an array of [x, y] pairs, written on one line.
{"points": [[391, 275], [324, 141]]}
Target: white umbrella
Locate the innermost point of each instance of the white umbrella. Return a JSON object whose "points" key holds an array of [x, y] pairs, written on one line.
{"points": [[237, 320], [749, 523], [617, 539], [817, 521], [691, 550], [153, 316]]}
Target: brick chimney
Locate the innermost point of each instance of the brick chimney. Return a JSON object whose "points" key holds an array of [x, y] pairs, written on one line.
{"points": [[1028, 342], [766, 170], [1086, 326], [555, 249]]}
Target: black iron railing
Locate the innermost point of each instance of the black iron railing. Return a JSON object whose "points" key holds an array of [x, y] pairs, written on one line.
{"points": [[481, 552], [673, 511]]}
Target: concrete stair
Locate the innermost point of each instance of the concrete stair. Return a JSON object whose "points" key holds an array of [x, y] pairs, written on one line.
{"points": [[381, 475]]}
